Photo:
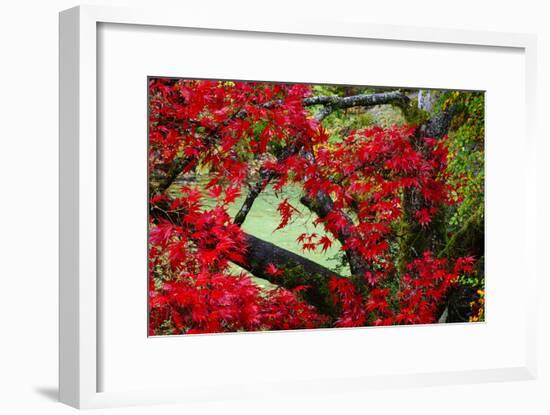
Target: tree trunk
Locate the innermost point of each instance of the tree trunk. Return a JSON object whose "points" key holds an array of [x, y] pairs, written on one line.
{"points": [[416, 238]]}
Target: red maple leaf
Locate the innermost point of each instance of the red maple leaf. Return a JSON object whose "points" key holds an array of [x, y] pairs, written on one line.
{"points": [[325, 242], [273, 270], [231, 194]]}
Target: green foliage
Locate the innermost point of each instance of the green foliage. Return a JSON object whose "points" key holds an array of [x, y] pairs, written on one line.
{"points": [[466, 168], [466, 152], [415, 115], [166, 328]]}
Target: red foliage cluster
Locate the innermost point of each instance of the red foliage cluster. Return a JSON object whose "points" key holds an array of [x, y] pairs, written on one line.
{"points": [[416, 302], [217, 126], [198, 291], [423, 286]]}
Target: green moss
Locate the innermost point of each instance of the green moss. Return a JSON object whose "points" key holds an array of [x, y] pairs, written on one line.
{"points": [[466, 238], [294, 276], [415, 115]]}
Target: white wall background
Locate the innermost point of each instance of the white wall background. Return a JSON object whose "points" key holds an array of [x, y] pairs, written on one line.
{"points": [[28, 208]]}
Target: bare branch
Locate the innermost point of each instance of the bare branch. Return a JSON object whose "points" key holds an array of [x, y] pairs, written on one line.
{"points": [[332, 103], [265, 177]]}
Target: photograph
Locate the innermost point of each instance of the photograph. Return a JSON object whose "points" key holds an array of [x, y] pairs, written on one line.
{"points": [[283, 206]]}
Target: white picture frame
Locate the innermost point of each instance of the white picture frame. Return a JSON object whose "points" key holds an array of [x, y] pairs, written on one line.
{"points": [[79, 361]]}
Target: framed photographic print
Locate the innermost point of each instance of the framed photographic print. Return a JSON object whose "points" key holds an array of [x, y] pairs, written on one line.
{"points": [[290, 206], [237, 206]]}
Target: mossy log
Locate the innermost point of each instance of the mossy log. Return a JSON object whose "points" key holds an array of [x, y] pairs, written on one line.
{"points": [[296, 271]]}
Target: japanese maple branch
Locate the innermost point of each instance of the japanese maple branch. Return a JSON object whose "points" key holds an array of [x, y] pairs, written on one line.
{"points": [[297, 270], [181, 162], [322, 205], [330, 104], [266, 176]]}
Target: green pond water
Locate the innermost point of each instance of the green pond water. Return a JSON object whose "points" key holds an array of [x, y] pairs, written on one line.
{"points": [[263, 219]]}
